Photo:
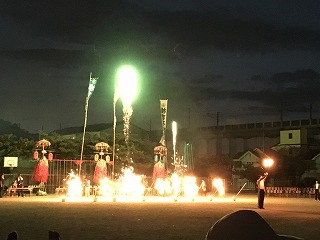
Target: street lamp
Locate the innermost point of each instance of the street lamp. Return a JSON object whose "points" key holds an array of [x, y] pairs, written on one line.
{"points": [[126, 89]]}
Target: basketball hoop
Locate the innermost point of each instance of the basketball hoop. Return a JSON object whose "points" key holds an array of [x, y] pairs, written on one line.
{"points": [[10, 162]]}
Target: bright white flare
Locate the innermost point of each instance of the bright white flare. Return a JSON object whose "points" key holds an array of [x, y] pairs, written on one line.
{"points": [[267, 163], [127, 84], [131, 184], [176, 184], [190, 187], [174, 140], [219, 185], [126, 89], [105, 187], [74, 187], [163, 187]]}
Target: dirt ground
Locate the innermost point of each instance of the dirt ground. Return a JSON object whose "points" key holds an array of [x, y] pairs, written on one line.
{"points": [[33, 216]]}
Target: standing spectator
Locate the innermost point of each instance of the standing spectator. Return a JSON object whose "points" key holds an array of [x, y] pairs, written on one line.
{"points": [[261, 189], [316, 191], [20, 185], [1, 185]]}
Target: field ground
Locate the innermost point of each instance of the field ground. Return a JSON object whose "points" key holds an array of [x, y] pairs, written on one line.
{"points": [[149, 218]]}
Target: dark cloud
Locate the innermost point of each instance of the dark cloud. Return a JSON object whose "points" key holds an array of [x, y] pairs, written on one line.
{"points": [[295, 90], [299, 90], [209, 79], [117, 22], [195, 53], [198, 31], [74, 21], [58, 58], [300, 77]]}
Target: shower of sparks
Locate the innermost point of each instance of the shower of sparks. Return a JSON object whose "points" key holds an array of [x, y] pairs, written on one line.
{"points": [[131, 184], [126, 89], [219, 185], [190, 187], [176, 184], [74, 187], [130, 187], [163, 187], [106, 187], [174, 140]]}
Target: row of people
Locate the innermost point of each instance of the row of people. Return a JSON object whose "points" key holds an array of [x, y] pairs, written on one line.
{"points": [[17, 183]]}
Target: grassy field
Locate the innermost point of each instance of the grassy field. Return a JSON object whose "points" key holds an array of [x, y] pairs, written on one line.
{"points": [[151, 218]]}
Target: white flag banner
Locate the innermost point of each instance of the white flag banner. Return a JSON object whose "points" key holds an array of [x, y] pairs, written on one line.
{"points": [[163, 108], [92, 85]]}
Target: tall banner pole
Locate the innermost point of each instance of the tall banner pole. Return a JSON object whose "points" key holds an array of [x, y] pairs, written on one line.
{"points": [[163, 109], [84, 132], [92, 84], [115, 99]]}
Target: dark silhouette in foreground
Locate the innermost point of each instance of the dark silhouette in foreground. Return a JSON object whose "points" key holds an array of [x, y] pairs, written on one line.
{"points": [[244, 225], [53, 235], [239, 225], [12, 236]]}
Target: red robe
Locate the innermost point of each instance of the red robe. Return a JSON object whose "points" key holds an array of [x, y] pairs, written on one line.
{"points": [[100, 171], [41, 171], [159, 171]]}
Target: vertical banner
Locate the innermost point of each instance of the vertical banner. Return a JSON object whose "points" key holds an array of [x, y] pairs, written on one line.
{"points": [[92, 85], [163, 109]]}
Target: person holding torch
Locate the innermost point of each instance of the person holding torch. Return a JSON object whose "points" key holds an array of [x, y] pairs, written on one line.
{"points": [[261, 189], [267, 163]]}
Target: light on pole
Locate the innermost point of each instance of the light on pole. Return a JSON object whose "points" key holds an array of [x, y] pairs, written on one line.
{"points": [[126, 89]]}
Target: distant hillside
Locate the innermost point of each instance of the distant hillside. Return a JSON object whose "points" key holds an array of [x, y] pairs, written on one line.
{"points": [[7, 127], [90, 128]]}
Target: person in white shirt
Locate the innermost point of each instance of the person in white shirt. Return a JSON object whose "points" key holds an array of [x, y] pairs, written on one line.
{"points": [[316, 191], [261, 189]]}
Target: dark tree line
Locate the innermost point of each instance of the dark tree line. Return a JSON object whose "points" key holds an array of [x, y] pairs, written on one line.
{"points": [[138, 153]]}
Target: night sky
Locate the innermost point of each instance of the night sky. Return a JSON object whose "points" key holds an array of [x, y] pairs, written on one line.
{"points": [[247, 60]]}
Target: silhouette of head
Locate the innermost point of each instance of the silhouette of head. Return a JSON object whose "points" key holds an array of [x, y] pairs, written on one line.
{"points": [[244, 225]]}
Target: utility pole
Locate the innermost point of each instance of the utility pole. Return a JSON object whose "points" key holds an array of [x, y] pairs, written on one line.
{"points": [[189, 118], [218, 113], [218, 147]]}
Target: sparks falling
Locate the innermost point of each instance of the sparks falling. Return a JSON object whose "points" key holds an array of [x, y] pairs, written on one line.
{"points": [[174, 140]]}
